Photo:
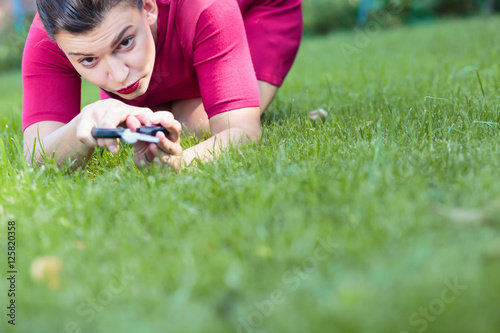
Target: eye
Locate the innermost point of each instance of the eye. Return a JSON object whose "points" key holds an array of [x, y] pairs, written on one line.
{"points": [[126, 43], [88, 62]]}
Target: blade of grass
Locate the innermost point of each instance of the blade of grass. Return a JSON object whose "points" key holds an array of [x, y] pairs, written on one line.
{"points": [[480, 83]]}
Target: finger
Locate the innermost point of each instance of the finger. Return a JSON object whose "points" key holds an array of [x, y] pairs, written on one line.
{"points": [[161, 116], [92, 117], [143, 119], [162, 159], [174, 129], [167, 146], [167, 120], [113, 119], [144, 159], [116, 114], [142, 112], [84, 130], [141, 149], [133, 123], [158, 154], [143, 115], [112, 145]]}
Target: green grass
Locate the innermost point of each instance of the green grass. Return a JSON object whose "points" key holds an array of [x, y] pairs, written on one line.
{"points": [[403, 177]]}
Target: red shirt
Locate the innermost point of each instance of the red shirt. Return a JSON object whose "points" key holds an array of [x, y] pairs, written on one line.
{"points": [[202, 50]]}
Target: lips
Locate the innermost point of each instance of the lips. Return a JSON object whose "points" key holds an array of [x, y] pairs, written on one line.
{"points": [[130, 89]]}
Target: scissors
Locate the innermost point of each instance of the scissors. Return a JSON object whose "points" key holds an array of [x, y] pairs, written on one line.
{"points": [[145, 133]]}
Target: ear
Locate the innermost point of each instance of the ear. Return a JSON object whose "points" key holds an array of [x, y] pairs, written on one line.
{"points": [[150, 10]]}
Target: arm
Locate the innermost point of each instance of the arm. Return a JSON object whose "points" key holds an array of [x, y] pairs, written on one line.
{"points": [[47, 137], [235, 127], [73, 142]]}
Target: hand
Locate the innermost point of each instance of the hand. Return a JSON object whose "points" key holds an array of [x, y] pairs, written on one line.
{"points": [[108, 113], [166, 152]]}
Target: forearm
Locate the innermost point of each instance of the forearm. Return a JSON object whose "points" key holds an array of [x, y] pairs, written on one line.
{"points": [[62, 144], [210, 148], [231, 128]]}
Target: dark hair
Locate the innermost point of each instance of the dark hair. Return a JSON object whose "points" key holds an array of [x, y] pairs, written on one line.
{"points": [[77, 16]]}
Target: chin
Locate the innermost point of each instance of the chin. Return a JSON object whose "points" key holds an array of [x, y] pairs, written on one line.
{"points": [[132, 96]]}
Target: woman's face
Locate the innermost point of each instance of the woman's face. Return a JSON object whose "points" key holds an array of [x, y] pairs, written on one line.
{"points": [[118, 56]]}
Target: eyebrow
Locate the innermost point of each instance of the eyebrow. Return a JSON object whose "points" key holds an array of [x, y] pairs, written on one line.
{"points": [[113, 44], [120, 36]]}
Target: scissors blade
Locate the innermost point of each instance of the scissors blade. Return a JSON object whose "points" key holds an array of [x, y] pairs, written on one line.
{"points": [[130, 137]]}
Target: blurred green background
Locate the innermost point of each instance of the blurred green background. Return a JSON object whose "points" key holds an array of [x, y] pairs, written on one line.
{"points": [[324, 16], [320, 17]]}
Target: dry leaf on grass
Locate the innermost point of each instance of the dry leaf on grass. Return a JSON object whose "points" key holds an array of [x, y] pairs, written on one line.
{"points": [[318, 114], [462, 216], [48, 270], [488, 213]]}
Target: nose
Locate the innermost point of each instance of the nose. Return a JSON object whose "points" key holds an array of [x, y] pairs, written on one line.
{"points": [[117, 70]]}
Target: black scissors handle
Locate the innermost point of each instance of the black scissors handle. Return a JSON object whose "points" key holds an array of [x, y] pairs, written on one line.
{"points": [[107, 133], [110, 133], [152, 130]]}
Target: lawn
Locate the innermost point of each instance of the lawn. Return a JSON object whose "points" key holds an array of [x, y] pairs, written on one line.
{"points": [[385, 217]]}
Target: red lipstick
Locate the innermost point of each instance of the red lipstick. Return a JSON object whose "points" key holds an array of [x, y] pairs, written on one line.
{"points": [[130, 89]]}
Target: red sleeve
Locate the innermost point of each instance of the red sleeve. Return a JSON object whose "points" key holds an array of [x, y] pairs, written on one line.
{"points": [[51, 86], [222, 60]]}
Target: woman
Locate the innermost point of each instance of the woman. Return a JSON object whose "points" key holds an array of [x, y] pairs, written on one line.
{"points": [[210, 65]]}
